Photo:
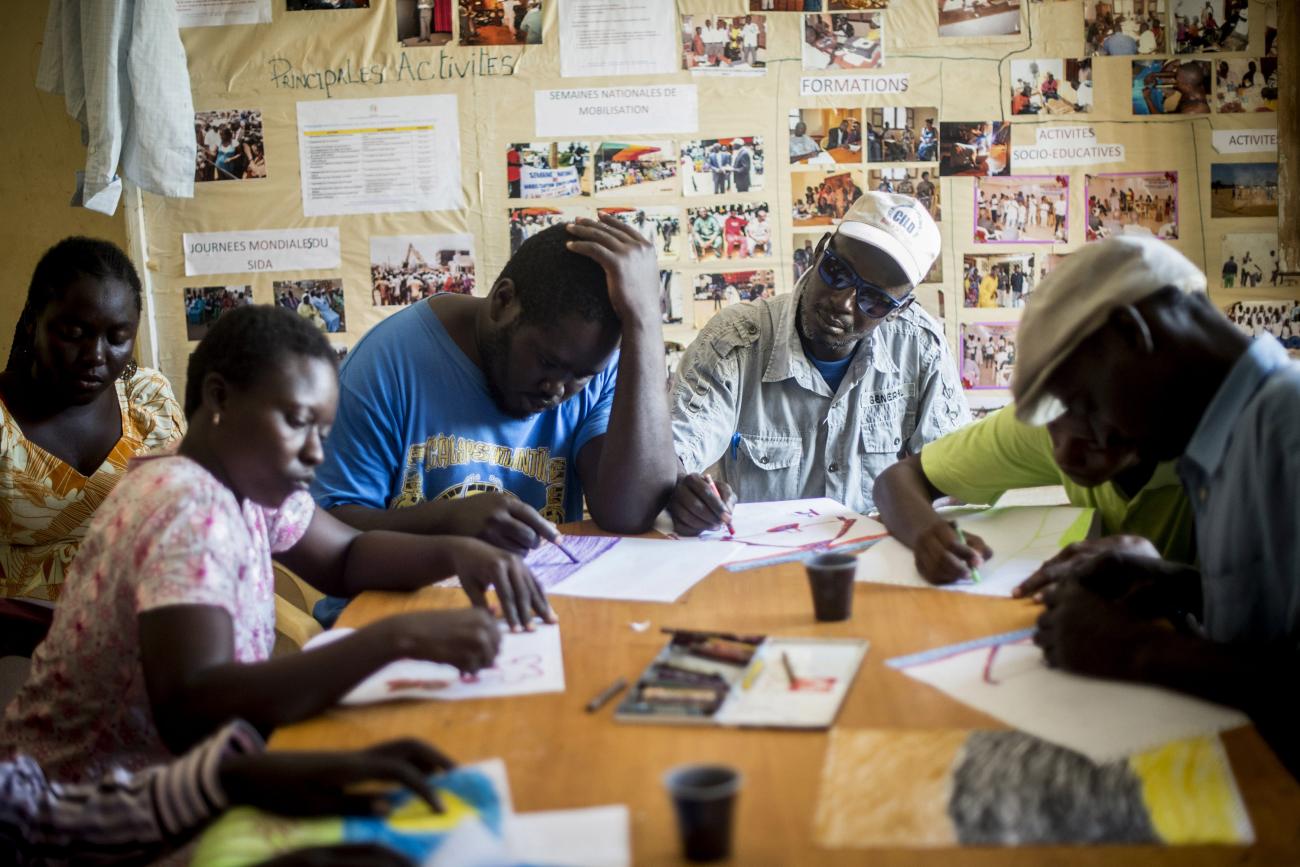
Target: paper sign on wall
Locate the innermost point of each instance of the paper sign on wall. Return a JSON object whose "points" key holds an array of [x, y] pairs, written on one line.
{"points": [[374, 156], [216, 13], [853, 85], [1245, 141], [537, 183], [259, 250], [1087, 153], [617, 37], [602, 111]]}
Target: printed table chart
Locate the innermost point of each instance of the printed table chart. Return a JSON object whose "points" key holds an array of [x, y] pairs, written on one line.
{"points": [[558, 756]]}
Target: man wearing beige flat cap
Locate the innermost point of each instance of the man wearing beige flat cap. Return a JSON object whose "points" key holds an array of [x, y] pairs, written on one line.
{"points": [[1122, 338], [814, 393]]}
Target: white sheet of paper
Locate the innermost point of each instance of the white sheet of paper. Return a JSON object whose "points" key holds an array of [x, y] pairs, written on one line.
{"points": [[591, 837], [1102, 719], [824, 670], [644, 570], [380, 155], [607, 111], [528, 663], [618, 37], [261, 250], [772, 529], [215, 13], [1021, 537]]}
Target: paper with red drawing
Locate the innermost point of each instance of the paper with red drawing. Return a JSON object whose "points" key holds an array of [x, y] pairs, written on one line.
{"points": [[528, 663], [766, 530]]}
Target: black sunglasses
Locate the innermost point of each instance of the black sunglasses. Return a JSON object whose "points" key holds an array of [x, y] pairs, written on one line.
{"points": [[872, 299]]}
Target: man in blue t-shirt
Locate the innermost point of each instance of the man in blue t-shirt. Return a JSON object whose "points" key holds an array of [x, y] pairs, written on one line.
{"points": [[491, 417]]}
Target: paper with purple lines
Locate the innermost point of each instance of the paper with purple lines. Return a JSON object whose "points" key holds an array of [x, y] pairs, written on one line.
{"points": [[635, 570], [551, 565]]}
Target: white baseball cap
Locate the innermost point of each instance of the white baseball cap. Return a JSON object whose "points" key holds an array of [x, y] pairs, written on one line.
{"points": [[898, 225], [1076, 298]]}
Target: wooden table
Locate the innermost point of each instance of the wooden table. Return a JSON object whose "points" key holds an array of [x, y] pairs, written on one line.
{"points": [[559, 757]]}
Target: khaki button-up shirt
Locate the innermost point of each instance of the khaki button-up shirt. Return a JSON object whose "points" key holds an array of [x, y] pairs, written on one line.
{"points": [[747, 395]]}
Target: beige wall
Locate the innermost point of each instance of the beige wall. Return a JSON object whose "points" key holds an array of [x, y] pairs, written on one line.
{"points": [[40, 148]]}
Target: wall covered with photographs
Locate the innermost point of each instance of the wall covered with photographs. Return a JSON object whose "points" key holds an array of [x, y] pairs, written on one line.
{"points": [[357, 159]]}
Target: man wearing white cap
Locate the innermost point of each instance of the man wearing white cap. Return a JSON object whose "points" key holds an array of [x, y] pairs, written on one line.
{"points": [[814, 393], [1121, 339]]}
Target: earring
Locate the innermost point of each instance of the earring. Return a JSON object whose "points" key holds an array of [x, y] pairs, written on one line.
{"points": [[216, 419]]}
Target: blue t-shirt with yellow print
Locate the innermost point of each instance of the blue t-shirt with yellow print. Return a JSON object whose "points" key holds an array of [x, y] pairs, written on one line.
{"points": [[416, 422]]}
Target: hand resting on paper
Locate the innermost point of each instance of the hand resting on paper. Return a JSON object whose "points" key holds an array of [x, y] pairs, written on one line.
{"points": [[1085, 632], [941, 558], [1076, 559], [321, 783], [499, 519], [695, 508], [480, 566]]}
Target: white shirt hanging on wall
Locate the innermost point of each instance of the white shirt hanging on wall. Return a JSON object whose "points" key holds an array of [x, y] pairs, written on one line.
{"points": [[383, 155]]}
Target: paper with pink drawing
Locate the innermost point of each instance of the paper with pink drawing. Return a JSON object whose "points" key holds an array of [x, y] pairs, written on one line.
{"points": [[528, 663], [764, 530]]}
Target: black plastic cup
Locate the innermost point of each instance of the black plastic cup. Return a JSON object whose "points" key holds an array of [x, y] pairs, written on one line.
{"points": [[704, 797], [831, 578]]}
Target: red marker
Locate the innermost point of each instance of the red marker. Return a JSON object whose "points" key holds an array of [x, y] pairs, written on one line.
{"points": [[713, 487]]}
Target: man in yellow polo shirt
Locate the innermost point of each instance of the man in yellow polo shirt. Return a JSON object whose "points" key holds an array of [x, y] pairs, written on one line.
{"points": [[984, 460]]}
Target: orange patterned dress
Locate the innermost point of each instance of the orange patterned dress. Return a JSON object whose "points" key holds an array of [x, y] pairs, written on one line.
{"points": [[45, 504]]}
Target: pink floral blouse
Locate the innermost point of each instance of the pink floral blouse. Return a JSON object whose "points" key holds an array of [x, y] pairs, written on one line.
{"points": [[168, 534]]}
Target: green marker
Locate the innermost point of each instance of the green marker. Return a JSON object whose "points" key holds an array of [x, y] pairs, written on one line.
{"points": [[961, 537]]}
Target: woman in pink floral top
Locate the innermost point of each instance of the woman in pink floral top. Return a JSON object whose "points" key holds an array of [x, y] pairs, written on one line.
{"points": [[166, 623]]}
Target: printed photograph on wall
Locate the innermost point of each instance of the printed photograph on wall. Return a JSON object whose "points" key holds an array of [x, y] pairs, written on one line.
{"points": [[1126, 27], [312, 5], [805, 253], [825, 136], [988, 354], [1030, 209], [821, 199], [1281, 319], [526, 222], [1250, 259], [1051, 87], [1171, 87], [1243, 189], [902, 134], [979, 17], [1243, 85], [204, 305], [671, 308], [1047, 263], [734, 45], [739, 230], [1132, 203], [714, 290], [717, 166], [974, 148], [844, 40], [405, 269], [500, 22], [849, 5], [548, 170], [660, 225], [991, 280], [984, 404], [320, 302], [785, 5], [636, 168], [229, 145], [1210, 25], [424, 22], [919, 183]]}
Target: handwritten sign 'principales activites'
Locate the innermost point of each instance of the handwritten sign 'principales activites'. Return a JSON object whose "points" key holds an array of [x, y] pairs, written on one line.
{"points": [[445, 66]]}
